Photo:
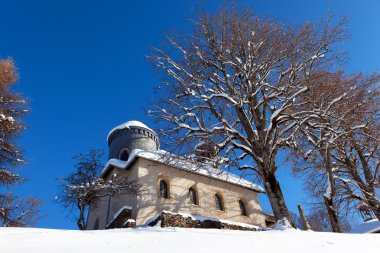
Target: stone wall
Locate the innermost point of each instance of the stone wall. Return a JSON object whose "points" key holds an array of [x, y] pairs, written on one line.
{"points": [[179, 182], [168, 219]]}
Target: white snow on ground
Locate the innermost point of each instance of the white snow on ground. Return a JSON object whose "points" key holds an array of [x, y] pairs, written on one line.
{"points": [[184, 240], [283, 224]]}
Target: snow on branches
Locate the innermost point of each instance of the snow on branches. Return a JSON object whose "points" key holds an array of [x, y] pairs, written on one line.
{"points": [[18, 212], [14, 211], [83, 188], [339, 139], [92, 192], [12, 108], [234, 80]]}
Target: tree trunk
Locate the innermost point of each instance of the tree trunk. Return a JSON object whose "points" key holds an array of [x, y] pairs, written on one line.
{"points": [[328, 197], [305, 222], [333, 217], [81, 221], [276, 198], [79, 224]]}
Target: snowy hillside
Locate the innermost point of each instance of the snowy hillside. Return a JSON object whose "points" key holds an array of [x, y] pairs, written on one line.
{"points": [[181, 240]]}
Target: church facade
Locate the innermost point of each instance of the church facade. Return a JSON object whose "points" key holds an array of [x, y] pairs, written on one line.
{"points": [[134, 152]]}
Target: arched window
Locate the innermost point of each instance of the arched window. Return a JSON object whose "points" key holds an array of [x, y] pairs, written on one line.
{"points": [[124, 154], [219, 202], [164, 193], [242, 208], [193, 196]]}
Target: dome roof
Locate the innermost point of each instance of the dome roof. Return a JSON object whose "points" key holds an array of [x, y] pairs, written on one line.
{"points": [[128, 124]]}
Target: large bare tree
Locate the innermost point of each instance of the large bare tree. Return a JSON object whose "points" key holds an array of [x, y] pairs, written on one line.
{"points": [[231, 82]]}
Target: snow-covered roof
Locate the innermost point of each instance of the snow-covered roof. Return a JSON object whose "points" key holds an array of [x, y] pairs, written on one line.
{"points": [[161, 156], [366, 227], [128, 124]]}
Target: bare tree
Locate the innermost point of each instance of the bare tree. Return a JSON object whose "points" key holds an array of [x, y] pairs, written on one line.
{"points": [[232, 81], [319, 221], [335, 103], [358, 155], [320, 128], [14, 211], [83, 188]]}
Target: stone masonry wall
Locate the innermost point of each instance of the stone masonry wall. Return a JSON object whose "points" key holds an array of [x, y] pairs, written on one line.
{"points": [[168, 219]]}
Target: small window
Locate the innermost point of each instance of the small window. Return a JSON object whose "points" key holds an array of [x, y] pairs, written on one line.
{"points": [[242, 208], [219, 202], [164, 189], [124, 154], [193, 196]]}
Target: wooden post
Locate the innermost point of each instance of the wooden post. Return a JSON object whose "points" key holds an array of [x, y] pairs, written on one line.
{"points": [[305, 223]]}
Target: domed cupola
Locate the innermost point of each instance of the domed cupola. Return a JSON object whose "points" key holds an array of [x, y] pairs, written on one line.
{"points": [[129, 136]]}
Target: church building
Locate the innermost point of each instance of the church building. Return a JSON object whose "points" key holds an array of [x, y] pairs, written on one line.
{"points": [[134, 152]]}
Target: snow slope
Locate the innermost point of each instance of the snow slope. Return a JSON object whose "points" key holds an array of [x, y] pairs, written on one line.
{"points": [[181, 240]]}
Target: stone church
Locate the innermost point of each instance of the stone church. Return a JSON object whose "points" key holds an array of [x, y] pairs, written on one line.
{"points": [[195, 194]]}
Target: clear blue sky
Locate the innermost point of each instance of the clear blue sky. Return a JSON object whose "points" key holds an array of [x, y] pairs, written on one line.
{"points": [[82, 65]]}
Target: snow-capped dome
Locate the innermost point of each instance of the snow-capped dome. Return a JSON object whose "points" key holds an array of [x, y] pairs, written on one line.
{"points": [[123, 139], [128, 124]]}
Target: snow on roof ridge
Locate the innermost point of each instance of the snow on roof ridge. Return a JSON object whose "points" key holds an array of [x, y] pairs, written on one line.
{"points": [[206, 171], [128, 124]]}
